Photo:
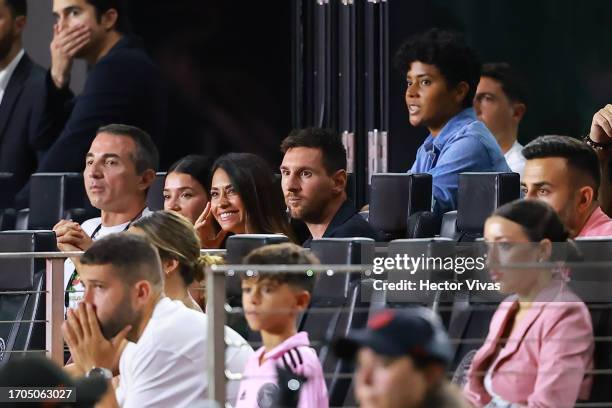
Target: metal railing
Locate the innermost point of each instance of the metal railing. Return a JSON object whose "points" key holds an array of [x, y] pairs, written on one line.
{"points": [[54, 299], [216, 309]]}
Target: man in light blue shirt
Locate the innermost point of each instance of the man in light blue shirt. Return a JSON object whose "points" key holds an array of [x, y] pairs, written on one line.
{"points": [[442, 74]]}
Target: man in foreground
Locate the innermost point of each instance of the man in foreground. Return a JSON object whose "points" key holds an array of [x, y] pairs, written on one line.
{"points": [[402, 357], [124, 299]]}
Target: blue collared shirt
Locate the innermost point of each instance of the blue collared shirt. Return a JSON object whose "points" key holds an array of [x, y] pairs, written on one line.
{"points": [[463, 145]]}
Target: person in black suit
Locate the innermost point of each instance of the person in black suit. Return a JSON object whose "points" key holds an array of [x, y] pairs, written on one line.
{"points": [[19, 85], [123, 84], [314, 181]]}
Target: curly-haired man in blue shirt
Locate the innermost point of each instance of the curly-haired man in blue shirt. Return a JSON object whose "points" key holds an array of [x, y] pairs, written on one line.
{"points": [[442, 74]]}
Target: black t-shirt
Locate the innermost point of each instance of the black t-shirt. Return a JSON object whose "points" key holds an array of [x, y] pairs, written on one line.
{"points": [[347, 223]]}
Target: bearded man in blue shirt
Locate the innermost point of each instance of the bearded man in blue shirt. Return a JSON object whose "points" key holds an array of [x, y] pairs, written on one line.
{"points": [[442, 74]]}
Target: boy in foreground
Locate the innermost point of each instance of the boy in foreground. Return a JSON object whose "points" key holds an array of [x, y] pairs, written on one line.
{"points": [[272, 303]]}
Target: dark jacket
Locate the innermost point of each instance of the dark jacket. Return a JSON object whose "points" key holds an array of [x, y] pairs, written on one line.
{"points": [[347, 223], [125, 87], [20, 145]]}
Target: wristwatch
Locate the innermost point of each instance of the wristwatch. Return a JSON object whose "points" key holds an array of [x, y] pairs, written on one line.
{"points": [[100, 372]]}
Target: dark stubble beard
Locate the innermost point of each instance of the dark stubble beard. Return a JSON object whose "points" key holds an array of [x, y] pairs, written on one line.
{"points": [[307, 215], [123, 316], [313, 211]]}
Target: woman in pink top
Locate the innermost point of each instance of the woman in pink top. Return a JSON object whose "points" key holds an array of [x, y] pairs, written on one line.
{"points": [[540, 340]]}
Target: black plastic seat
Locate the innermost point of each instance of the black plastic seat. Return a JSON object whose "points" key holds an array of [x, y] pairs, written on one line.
{"points": [[238, 246], [7, 186], [431, 253], [478, 196], [20, 309], [155, 195], [448, 227], [341, 251], [332, 292], [56, 196], [471, 311], [394, 198], [7, 210], [592, 282], [361, 303], [337, 305]]}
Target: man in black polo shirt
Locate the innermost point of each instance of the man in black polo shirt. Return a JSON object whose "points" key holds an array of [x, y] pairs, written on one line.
{"points": [[314, 180]]}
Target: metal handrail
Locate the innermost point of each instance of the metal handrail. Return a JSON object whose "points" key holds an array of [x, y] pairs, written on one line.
{"points": [[73, 254], [38, 255], [216, 311]]}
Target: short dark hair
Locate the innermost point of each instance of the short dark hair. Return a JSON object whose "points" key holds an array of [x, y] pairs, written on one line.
{"points": [[540, 221], [197, 166], [283, 254], [123, 25], [17, 7], [578, 155], [512, 83], [330, 143], [448, 52], [146, 156], [132, 254]]}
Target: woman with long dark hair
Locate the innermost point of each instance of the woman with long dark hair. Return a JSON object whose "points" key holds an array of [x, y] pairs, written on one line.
{"points": [[245, 199], [540, 341]]}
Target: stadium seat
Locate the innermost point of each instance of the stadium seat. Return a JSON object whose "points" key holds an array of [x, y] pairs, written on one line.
{"points": [[341, 251], [337, 305], [19, 275], [471, 311], [238, 246], [396, 196], [448, 227], [478, 196], [8, 190], [8, 219], [155, 195], [361, 303], [469, 324], [55, 196], [7, 210], [423, 224], [419, 249], [593, 283], [332, 292], [21, 219]]}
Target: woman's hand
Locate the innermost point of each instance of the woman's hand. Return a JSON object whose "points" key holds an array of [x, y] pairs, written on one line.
{"points": [[205, 229]]}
